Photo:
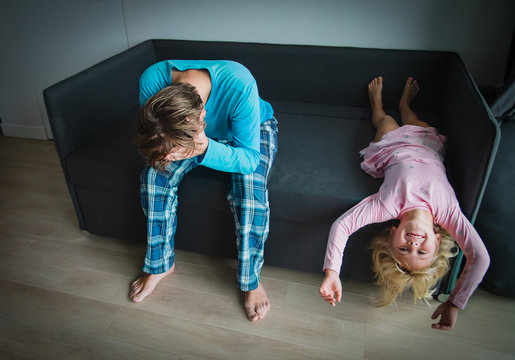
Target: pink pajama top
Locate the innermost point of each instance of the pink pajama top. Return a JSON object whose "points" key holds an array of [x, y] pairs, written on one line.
{"points": [[410, 159]]}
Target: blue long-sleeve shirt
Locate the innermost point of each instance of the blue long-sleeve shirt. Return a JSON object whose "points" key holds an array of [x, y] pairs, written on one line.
{"points": [[234, 111]]}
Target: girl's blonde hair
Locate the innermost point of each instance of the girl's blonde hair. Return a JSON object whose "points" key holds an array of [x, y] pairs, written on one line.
{"points": [[393, 280]]}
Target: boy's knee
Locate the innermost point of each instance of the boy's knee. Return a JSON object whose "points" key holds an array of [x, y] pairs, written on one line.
{"points": [[164, 179]]}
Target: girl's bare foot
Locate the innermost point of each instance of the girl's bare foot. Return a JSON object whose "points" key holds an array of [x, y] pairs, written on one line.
{"points": [[411, 89], [145, 284], [256, 303], [375, 88]]}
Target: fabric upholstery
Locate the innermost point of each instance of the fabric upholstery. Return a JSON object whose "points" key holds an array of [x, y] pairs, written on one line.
{"points": [[320, 101], [495, 222]]}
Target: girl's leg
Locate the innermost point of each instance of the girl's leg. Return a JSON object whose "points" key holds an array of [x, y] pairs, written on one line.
{"points": [[408, 117], [382, 122], [159, 201], [248, 199]]}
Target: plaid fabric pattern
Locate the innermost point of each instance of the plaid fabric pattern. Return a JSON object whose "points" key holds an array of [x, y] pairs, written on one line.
{"points": [[248, 199], [158, 195]]}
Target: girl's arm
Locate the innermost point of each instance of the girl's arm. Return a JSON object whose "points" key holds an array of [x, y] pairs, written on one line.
{"points": [[474, 250], [368, 211], [448, 313], [331, 288]]}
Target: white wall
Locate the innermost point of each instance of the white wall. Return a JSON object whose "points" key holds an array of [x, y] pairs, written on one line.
{"points": [[44, 42], [50, 40], [19, 108]]}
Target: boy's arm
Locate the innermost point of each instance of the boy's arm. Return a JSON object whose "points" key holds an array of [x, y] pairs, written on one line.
{"points": [[243, 155], [156, 77]]}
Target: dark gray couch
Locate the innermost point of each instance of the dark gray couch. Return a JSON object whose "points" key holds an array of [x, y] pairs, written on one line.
{"points": [[495, 218], [320, 100]]}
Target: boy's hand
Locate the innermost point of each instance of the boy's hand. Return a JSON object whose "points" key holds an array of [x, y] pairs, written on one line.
{"points": [[449, 315], [201, 144], [331, 288]]}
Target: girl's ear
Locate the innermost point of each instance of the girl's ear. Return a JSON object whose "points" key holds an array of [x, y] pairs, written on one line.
{"points": [[438, 239], [392, 231]]}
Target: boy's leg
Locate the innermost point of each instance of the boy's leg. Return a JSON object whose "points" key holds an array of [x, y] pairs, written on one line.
{"points": [[159, 201], [382, 122], [408, 117], [248, 199]]}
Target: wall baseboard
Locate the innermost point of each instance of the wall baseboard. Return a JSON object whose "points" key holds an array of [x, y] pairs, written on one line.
{"points": [[23, 131]]}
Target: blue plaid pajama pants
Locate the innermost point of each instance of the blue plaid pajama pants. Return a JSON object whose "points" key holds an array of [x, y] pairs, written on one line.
{"points": [[248, 200]]}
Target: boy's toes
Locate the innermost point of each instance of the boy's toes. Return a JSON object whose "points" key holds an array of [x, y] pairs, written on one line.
{"points": [[253, 316]]}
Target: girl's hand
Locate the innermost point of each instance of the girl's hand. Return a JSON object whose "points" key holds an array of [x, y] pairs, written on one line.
{"points": [[331, 288], [448, 313]]}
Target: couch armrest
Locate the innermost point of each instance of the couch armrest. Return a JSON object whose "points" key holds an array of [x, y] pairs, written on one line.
{"points": [[83, 105], [473, 137]]}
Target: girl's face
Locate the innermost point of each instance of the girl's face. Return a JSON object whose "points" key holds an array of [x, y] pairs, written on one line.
{"points": [[415, 244]]}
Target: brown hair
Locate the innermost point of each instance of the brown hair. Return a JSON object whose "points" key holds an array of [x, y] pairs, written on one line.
{"points": [[393, 280], [169, 119]]}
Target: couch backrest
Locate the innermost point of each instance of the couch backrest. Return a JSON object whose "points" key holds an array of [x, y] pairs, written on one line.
{"points": [[473, 136], [83, 105], [80, 106], [323, 74], [339, 76]]}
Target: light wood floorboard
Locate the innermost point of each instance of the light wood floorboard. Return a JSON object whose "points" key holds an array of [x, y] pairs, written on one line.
{"points": [[65, 295]]}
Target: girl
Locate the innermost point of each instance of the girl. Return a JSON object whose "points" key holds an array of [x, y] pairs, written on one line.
{"points": [[415, 191]]}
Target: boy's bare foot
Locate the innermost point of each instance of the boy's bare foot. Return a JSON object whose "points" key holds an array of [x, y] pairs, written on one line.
{"points": [[411, 89], [145, 284], [256, 303]]}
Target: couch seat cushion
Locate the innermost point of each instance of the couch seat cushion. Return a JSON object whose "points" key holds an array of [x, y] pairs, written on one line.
{"points": [[109, 161], [316, 175]]}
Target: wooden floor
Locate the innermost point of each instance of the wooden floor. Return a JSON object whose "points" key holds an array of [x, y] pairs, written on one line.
{"points": [[64, 296]]}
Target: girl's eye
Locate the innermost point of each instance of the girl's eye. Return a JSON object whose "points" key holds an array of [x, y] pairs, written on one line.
{"points": [[422, 252], [403, 249]]}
